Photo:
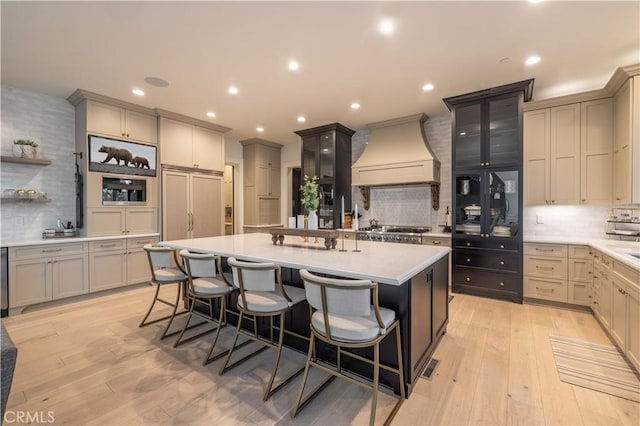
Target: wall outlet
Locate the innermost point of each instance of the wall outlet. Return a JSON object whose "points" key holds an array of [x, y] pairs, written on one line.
{"points": [[539, 219], [18, 221]]}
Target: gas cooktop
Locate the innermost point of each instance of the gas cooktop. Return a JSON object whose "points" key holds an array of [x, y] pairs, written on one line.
{"points": [[394, 234]]}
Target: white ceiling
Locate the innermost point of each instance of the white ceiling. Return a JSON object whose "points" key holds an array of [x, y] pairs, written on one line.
{"points": [[202, 48]]}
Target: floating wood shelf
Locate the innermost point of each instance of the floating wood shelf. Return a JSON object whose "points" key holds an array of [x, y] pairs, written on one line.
{"points": [[20, 160]]}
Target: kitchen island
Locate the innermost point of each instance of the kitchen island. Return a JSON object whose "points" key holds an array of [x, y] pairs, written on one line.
{"points": [[413, 282]]}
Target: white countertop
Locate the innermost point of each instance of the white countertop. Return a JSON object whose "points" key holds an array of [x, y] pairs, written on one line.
{"points": [[70, 240], [618, 250], [384, 263]]}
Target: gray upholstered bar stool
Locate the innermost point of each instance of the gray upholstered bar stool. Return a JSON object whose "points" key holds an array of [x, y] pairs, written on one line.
{"points": [[342, 316], [164, 272], [206, 284], [263, 295]]}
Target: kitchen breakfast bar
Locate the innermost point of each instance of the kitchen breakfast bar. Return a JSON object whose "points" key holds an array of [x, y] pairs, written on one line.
{"points": [[413, 281]]}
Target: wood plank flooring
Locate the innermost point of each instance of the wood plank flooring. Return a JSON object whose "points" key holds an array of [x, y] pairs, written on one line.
{"points": [[89, 364]]}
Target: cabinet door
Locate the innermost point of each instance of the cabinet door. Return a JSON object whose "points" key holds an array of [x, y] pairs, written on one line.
{"points": [[596, 151], [622, 176], [30, 282], [468, 199], [579, 293], [208, 150], [108, 270], [105, 119], [141, 127], [622, 107], [310, 156], [633, 326], [177, 143], [504, 132], [176, 220], [206, 206], [69, 276], [262, 180], [327, 156], [274, 181], [618, 312], [105, 221], [565, 155], [468, 136], [580, 270], [268, 211], [138, 270], [537, 145], [605, 302], [141, 220]]}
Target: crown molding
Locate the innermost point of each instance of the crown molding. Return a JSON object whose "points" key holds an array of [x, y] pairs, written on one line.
{"points": [[81, 95], [253, 141], [162, 113]]}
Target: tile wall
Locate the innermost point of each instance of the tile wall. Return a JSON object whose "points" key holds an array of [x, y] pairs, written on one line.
{"points": [[50, 122]]}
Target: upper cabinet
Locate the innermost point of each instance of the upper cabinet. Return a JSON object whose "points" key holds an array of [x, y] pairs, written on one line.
{"points": [[326, 153], [261, 182], [626, 143], [190, 143], [121, 123]]}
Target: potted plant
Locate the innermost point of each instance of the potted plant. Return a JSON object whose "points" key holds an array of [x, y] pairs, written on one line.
{"points": [[25, 148], [310, 200]]}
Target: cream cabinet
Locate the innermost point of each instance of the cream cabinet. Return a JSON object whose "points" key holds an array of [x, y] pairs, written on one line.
{"points": [[187, 145], [47, 272], [192, 205], [626, 146], [118, 262], [111, 120], [580, 275], [568, 154], [603, 302], [110, 221], [261, 182]]}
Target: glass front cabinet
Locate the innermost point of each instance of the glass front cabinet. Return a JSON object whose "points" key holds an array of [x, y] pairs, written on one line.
{"points": [[326, 153], [487, 191]]}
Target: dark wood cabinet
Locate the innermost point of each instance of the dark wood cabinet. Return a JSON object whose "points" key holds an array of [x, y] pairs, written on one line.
{"points": [[487, 190], [326, 153]]}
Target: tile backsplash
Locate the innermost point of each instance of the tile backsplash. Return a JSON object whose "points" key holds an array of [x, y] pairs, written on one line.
{"points": [[50, 122], [569, 221]]}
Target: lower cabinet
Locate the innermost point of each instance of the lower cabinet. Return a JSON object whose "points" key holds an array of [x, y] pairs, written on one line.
{"points": [[47, 272], [111, 221]]}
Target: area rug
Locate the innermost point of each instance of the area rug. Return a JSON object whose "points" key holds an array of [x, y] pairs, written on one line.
{"points": [[594, 366]]}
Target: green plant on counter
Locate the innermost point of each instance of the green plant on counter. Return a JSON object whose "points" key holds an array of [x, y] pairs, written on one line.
{"points": [[28, 142], [309, 189]]}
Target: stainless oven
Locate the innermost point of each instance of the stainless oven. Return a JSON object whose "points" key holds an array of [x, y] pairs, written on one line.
{"points": [[124, 191]]}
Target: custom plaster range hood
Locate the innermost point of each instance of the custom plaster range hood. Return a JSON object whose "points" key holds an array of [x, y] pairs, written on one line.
{"points": [[397, 154]]}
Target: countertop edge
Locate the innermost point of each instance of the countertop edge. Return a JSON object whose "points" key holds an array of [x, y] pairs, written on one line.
{"points": [[48, 241]]}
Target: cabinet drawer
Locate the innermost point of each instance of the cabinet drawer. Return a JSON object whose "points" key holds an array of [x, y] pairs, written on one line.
{"points": [[579, 293], [545, 267], [501, 261], [436, 241], [106, 245], [139, 242], [488, 243], [555, 250], [626, 272], [471, 277], [580, 252], [580, 270], [546, 289], [46, 250]]}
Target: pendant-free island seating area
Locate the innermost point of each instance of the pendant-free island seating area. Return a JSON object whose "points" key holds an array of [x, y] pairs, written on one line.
{"points": [[371, 317]]}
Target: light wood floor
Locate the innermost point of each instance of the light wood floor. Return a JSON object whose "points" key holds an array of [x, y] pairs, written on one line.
{"points": [[89, 364]]}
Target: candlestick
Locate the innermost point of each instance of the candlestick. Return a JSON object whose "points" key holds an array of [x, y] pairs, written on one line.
{"points": [[355, 218], [342, 214]]}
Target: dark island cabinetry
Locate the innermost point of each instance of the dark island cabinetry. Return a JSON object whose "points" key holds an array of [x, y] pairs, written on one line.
{"points": [[487, 190], [326, 153]]}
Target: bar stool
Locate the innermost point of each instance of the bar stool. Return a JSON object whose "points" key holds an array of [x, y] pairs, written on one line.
{"points": [[342, 316], [162, 273], [205, 287], [263, 295]]}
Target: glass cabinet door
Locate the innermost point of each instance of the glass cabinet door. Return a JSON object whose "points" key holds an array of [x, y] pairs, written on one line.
{"points": [[501, 207], [468, 131], [309, 156], [326, 206], [327, 156], [504, 132], [468, 214]]}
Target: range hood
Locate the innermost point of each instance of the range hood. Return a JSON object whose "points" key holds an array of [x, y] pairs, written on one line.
{"points": [[397, 154]]}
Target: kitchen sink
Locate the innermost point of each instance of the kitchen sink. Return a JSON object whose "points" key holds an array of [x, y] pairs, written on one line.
{"points": [[636, 255]]}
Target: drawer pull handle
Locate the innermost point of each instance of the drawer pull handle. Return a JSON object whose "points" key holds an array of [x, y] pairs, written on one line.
{"points": [[544, 249], [545, 290], [144, 242], [468, 279], [501, 284], [468, 244], [545, 268], [52, 250], [434, 242], [468, 260], [108, 245], [501, 245], [501, 262]]}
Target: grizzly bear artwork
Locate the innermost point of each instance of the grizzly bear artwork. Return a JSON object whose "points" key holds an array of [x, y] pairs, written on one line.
{"points": [[140, 162], [117, 154]]}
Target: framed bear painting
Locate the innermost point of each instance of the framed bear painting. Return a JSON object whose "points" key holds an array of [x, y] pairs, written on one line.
{"points": [[108, 155]]}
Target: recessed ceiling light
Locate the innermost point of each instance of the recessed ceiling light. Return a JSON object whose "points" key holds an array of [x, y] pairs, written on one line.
{"points": [[157, 82], [138, 92], [293, 65], [386, 27], [535, 1], [301, 119], [531, 60], [355, 105], [211, 114], [260, 129], [233, 90], [427, 87]]}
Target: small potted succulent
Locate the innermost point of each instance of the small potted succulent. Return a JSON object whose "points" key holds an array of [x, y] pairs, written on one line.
{"points": [[25, 148], [310, 200]]}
